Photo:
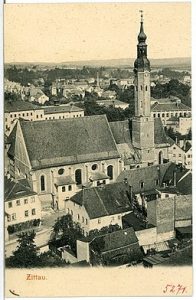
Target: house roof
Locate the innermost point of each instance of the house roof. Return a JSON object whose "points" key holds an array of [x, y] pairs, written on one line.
{"points": [[16, 189], [98, 176], [131, 220], [64, 180], [104, 200], [184, 186], [160, 136], [117, 239], [15, 106], [122, 131], [183, 178], [107, 102], [148, 175], [68, 141], [61, 109], [169, 106]]}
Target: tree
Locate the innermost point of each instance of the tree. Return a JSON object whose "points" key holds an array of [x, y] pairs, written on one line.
{"points": [[66, 232], [26, 254]]}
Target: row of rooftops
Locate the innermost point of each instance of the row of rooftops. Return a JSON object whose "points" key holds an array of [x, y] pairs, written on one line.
{"points": [[166, 104], [18, 106]]}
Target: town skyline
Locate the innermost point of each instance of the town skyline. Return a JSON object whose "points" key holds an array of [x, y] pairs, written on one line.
{"points": [[88, 44]]}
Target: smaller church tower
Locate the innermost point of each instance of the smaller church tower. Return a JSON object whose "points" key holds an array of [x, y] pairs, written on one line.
{"points": [[143, 123]]}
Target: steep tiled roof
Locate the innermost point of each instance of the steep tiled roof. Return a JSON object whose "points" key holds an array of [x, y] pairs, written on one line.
{"points": [[16, 189], [68, 141], [117, 239], [15, 106], [104, 200], [61, 109], [148, 175], [172, 106], [183, 178], [64, 180], [159, 133], [121, 131]]}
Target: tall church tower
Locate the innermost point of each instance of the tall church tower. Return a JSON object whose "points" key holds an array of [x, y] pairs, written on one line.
{"points": [[143, 123]]}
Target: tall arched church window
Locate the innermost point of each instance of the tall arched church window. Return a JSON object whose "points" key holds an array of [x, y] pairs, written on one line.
{"points": [[146, 87], [42, 183], [141, 88], [110, 171], [78, 176]]}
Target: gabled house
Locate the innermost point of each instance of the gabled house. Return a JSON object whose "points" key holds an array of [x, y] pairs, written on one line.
{"points": [[116, 248], [97, 207], [22, 204]]}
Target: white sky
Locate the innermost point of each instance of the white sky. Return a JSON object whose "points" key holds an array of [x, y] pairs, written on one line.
{"points": [[67, 32]]}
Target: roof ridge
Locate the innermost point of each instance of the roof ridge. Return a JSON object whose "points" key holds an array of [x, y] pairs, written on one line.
{"points": [[96, 191]]}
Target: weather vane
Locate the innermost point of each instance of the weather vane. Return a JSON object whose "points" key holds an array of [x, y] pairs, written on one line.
{"points": [[141, 11]]}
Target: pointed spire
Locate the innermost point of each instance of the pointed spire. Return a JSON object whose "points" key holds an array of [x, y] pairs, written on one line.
{"points": [[142, 36]]}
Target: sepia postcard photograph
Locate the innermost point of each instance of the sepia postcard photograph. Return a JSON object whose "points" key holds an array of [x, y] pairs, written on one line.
{"points": [[97, 149]]}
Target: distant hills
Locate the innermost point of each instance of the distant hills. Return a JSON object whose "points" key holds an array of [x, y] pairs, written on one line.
{"points": [[180, 62]]}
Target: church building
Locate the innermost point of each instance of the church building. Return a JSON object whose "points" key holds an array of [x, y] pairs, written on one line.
{"points": [[61, 157]]}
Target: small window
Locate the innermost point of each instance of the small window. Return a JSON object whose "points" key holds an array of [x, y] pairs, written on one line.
{"points": [[166, 195], [68, 210], [157, 182], [167, 115], [119, 217], [10, 116], [13, 217], [94, 167], [141, 184], [27, 114], [37, 116], [9, 204], [42, 182], [8, 218], [86, 222], [31, 114], [26, 213], [82, 219], [99, 221], [174, 155], [63, 189], [189, 156], [32, 199], [23, 114], [25, 201], [61, 171], [146, 88], [14, 115], [78, 217], [174, 148], [69, 188], [17, 202], [141, 87], [154, 115], [104, 182], [33, 212], [179, 155]]}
